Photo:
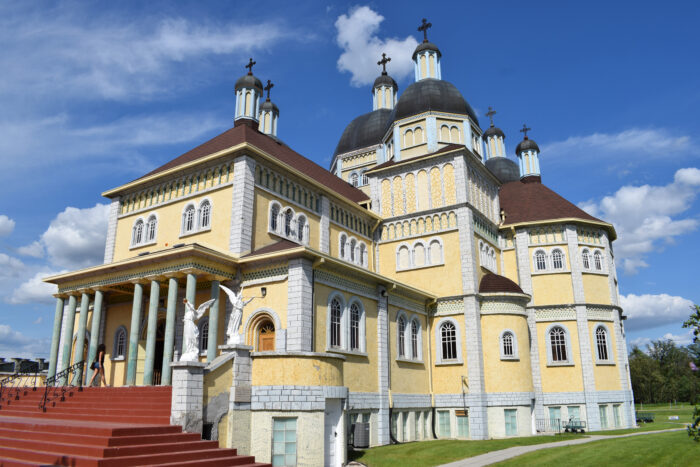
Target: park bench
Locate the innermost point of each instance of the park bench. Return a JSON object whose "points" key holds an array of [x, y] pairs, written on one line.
{"points": [[645, 417], [575, 426]]}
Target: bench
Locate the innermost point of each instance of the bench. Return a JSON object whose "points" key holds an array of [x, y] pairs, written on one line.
{"points": [[645, 417], [575, 426]]}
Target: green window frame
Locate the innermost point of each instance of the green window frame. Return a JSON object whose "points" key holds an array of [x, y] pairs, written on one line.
{"points": [[444, 424], [603, 416], [511, 417], [462, 426], [284, 442]]}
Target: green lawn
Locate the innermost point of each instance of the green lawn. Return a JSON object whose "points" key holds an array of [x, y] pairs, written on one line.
{"points": [[673, 448], [428, 453]]}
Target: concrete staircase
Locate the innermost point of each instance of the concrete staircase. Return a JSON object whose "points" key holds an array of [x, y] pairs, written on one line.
{"points": [[104, 427]]}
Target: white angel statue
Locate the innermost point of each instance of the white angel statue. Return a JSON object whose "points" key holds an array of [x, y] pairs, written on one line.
{"points": [[190, 331], [234, 323]]}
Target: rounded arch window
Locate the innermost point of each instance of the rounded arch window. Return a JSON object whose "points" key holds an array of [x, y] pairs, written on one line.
{"points": [[448, 341], [557, 340], [601, 338], [598, 260], [205, 214], [274, 215], [138, 232], [585, 256], [558, 259], [151, 230], [354, 179], [301, 226], [266, 334], [188, 219], [540, 261]]}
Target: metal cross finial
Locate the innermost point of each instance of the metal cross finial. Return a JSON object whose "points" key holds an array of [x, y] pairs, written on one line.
{"points": [[250, 66], [268, 87], [383, 63], [490, 114], [424, 27], [524, 130]]}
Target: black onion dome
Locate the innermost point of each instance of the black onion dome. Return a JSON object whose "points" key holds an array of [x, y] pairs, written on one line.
{"points": [[269, 105], [506, 170], [426, 46], [432, 94], [249, 81], [385, 79], [494, 131], [526, 145], [365, 130]]}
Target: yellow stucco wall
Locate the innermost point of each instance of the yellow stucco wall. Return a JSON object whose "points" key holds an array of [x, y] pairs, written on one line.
{"points": [[117, 314], [560, 378], [607, 377], [596, 289], [297, 370], [552, 289], [170, 223], [275, 300], [407, 377], [506, 375], [510, 265], [447, 378]]}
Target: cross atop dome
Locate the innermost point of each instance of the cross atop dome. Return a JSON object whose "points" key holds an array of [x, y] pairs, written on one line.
{"points": [[268, 87], [383, 62], [424, 28], [490, 114], [250, 66], [524, 130]]}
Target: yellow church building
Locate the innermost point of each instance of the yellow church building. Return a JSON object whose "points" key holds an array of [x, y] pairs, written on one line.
{"points": [[425, 286]]}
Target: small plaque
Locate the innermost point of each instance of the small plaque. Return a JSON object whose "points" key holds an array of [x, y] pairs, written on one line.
{"points": [[462, 413]]}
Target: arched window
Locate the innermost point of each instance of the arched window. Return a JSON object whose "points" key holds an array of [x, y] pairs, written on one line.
{"points": [[355, 314], [585, 256], [335, 324], [205, 215], [354, 179], [435, 252], [274, 216], [415, 335], [137, 237], [151, 229], [601, 340], [540, 261], [598, 261], [188, 219], [353, 244], [203, 335], [288, 216], [119, 343], [507, 345], [343, 241], [448, 341], [365, 179], [557, 342], [403, 260], [301, 228], [363, 251], [401, 335], [557, 259]]}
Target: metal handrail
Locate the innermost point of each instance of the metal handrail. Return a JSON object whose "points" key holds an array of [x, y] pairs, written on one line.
{"points": [[17, 381], [55, 391]]}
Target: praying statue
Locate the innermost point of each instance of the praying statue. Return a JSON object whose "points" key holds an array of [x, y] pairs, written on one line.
{"points": [[237, 302], [190, 331]]}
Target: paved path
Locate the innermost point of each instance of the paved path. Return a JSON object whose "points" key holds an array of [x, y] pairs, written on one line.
{"points": [[505, 454]]}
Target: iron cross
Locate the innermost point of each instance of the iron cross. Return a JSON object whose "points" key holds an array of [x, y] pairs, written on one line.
{"points": [[383, 62], [424, 27], [268, 87], [490, 114], [524, 130], [250, 66]]}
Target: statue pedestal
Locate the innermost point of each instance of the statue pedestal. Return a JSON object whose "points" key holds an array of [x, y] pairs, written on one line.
{"points": [[186, 407], [239, 397]]}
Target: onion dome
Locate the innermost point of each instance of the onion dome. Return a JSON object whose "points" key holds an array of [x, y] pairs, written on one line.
{"points": [[366, 130], [249, 81], [528, 154], [384, 89], [269, 105], [248, 90], [494, 131], [493, 283], [526, 145], [385, 80], [432, 94], [426, 46], [505, 170]]}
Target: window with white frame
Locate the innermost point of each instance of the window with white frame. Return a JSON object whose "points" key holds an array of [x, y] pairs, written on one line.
{"points": [[205, 215], [288, 224], [284, 442], [196, 219], [355, 315], [151, 228], [401, 336], [274, 216], [343, 239], [448, 341], [557, 259], [119, 351], [586, 259], [508, 345], [365, 179], [352, 250], [203, 327], [487, 256], [354, 179], [188, 220], [598, 261], [137, 236], [336, 318], [540, 260], [601, 340], [415, 339], [421, 254], [144, 232], [288, 217], [558, 345], [346, 324], [301, 228]]}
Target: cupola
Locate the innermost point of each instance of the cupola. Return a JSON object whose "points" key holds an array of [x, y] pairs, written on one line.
{"points": [[426, 57], [494, 138], [528, 155], [269, 113], [248, 93], [385, 88]]}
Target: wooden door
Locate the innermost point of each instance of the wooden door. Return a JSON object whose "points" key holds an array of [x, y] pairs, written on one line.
{"points": [[266, 336]]}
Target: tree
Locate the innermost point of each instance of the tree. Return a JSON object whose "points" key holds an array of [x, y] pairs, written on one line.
{"points": [[694, 323]]}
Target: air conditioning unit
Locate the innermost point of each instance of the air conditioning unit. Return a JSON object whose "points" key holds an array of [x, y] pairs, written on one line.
{"points": [[360, 435]]}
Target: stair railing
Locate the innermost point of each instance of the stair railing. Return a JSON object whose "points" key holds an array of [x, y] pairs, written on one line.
{"points": [[61, 383], [23, 379]]}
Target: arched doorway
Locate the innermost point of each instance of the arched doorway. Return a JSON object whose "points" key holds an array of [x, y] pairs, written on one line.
{"points": [[266, 335]]}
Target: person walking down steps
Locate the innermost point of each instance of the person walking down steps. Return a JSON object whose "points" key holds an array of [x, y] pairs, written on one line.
{"points": [[99, 365]]}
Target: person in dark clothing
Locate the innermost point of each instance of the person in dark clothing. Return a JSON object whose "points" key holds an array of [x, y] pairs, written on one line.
{"points": [[99, 365]]}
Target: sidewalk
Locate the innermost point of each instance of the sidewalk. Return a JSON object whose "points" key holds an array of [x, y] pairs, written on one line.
{"points": [[505, 454]]}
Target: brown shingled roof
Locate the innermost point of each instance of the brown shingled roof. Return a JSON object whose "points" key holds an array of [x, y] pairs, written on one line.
{"points": [[245, 134], [274, 248], [530, 200], [493, 283]]}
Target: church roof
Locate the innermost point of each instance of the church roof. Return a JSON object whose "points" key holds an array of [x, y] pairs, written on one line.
{"points": [[281, 245], [525, 145], [245, 134], [432, 94], [529, 200], [493, 283], [365, 130]]}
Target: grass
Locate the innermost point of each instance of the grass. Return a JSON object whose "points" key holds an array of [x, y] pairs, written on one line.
{"points": [[428, 453], [673, 448]]}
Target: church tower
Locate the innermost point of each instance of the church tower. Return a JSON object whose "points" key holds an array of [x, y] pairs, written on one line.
{"points": [[385, 88], [248, 93], [528, 155], [269, 113], [494, 139], [426, 57]]}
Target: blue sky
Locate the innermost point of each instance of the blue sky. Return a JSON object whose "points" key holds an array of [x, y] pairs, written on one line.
{"points": [[96, 94]]}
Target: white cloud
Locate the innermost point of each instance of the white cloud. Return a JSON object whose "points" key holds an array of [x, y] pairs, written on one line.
{"points": [[35, 290], [9, 266], [39, 320], [649, 311], [7, 225], [15, 344], [362, 48], [635, 142], [34, 249], [642, 216], [679, 339]]}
